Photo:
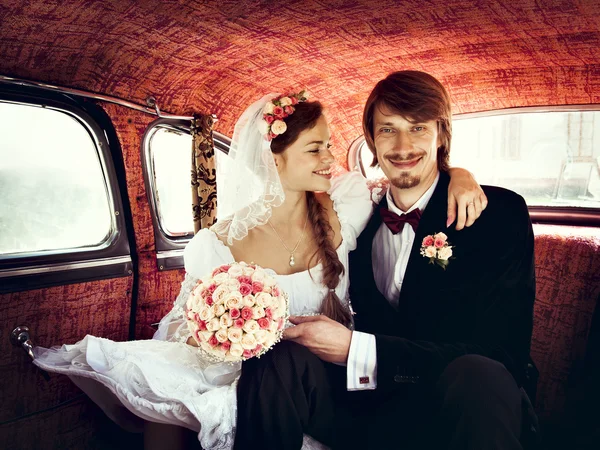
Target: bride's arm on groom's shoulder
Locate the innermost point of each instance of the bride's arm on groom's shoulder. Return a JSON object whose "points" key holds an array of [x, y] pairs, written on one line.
{"points": [[466, 198]]}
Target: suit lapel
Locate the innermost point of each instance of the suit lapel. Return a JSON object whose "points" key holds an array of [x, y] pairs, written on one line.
{"points": [[419, 271]]}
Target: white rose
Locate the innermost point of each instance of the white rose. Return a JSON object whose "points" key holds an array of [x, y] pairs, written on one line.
{"points": [[259, 275], [198, 289], [263, 299], [221, 278], [220, 293], [258, 312], [236, 350], [221, 335], [233, 285], [269, 108], [249, 341], [234, 334], [430, 251], [225, 320], [261, 335], [445, 253], [249, 300], [248, 271], [218, 310], [440, 235], [274, 326], [251, 326], [206, 335], [206, 314], [282, 308], [278, 127], [269, 281], [269, 341], [213, 324], [235, 270], [234, 300], [285, 101]]}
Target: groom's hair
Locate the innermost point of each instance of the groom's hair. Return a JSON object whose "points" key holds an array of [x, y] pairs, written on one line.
{"points": [[418, 97]]}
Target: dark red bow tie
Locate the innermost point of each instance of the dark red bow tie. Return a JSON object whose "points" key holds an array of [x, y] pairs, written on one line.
{"points": [[395, 222]]}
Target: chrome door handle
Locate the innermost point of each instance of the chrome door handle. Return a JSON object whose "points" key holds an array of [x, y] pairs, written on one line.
{"points": [[20, 337]]}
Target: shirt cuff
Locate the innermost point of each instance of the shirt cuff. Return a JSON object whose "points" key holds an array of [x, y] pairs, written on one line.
{"points": [[361, 371]]}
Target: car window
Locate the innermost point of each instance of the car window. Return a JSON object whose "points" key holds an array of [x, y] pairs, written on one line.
{"points": [[551, 158], [53, 194]]}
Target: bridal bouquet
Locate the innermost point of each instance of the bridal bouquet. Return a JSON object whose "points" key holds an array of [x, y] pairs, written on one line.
{"points": [[237, 312]]}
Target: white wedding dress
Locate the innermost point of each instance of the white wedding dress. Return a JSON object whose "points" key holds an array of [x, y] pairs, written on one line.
{"points": [[164, 379]]}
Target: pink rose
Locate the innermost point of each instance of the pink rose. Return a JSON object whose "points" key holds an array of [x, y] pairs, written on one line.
{"points": [[257, 349], [275, 291], [247, 313], [280, 323], [238, 323], [245, 289], [439, 243], [245, 279], [257, 287], [289, 110], [198, 336], [234, 313], [213, 342], [269, 119], [278, 111], [211, 288], [427, 241], [269, 313], [226, 345], [294, 100], [247, 354], [271, 135], [209, 300], [264, 323]]}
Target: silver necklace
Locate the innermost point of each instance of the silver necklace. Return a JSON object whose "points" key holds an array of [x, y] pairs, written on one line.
{"points": [[291, 252]]}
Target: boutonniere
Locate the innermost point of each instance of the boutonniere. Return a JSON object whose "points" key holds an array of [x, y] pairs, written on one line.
{"points": [[437, 248]]}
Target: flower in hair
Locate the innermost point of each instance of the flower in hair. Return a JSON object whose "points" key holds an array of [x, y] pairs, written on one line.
{"points": [[276, 110]]}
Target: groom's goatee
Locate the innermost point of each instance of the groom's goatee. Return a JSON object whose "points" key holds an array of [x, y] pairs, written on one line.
{"points": [[405, 181]]}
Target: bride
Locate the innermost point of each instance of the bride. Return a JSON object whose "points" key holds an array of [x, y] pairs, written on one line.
{"points": [[280, 208]]}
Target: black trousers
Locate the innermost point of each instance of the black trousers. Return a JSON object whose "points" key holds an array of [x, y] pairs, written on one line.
{"points": [[475, 404]]}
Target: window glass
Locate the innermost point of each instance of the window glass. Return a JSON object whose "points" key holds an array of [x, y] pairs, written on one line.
{"points": [[170, 151], [53, 193], [550, 158]]}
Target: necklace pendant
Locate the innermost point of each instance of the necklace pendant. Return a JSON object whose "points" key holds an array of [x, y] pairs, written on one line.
{"points": [[292, 261]]}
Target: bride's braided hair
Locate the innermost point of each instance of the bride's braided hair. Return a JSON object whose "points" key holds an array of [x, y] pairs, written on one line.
{"points": [[305, 116]]}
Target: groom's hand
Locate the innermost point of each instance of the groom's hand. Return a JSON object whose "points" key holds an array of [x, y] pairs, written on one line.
{"points": [[326, 338]]}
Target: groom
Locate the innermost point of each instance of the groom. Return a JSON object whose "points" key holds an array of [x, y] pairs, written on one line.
{"points": [[443, 318]]}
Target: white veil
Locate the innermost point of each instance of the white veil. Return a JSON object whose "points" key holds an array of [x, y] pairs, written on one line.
{"points": [[248, 184]]}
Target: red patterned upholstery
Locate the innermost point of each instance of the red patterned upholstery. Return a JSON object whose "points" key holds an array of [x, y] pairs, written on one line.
{"points": [[568, 287]]}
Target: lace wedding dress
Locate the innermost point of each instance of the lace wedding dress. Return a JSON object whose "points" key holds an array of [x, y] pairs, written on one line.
{"points": [[164, 379]]}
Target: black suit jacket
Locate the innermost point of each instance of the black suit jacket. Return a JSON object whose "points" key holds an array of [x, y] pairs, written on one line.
{"points": [[481, 304]]}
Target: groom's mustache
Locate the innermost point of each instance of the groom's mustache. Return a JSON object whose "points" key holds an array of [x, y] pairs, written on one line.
{"points": [[406, 157]]}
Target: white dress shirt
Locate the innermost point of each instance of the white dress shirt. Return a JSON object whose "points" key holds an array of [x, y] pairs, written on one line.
{"points": [[390, 253]]}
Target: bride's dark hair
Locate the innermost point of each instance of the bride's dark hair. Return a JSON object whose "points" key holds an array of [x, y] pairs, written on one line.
{"points": [[305, 116]]}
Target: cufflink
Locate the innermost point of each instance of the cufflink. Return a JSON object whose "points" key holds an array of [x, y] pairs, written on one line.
{"points": [[363, 380]]}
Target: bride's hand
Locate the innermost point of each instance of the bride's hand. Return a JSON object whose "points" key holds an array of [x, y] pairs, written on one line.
{"points": [[466, 197], [326, 338]]}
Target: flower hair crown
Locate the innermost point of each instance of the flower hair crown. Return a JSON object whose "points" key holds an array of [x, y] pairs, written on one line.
{"points": [[272, 123]]}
